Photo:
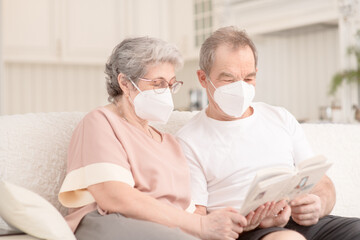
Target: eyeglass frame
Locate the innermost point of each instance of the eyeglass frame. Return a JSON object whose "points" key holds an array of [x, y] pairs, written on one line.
{"points": [[163, 80]]}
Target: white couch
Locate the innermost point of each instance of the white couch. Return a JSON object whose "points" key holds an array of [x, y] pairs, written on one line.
{"points": [[33, 150]]}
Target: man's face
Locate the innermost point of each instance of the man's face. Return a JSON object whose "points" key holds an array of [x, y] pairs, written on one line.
{"points": [[230, 65], [233, 65]]}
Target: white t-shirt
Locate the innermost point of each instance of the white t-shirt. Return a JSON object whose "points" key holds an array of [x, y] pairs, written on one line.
{"points": [[224, 156]]}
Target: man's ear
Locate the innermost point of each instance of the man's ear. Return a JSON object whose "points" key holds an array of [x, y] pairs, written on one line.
{"points": [[123, 83], [202, 78]]}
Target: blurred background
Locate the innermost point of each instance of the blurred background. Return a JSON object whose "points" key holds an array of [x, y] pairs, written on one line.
{"points": [[52, 52]]}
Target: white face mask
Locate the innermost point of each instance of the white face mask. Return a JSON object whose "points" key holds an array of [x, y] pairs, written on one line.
{"points": [[234, 98], [152, 106]]}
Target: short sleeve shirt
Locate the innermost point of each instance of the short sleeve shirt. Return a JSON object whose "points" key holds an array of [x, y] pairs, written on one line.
{"points": [[104, 147], [224, 156]]}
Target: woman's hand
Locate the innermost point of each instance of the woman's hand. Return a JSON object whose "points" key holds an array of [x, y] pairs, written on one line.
{"points": [[222, 224], [254, 218], [279, 216]]}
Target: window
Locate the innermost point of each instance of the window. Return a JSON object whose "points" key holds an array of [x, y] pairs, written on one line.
{"points": [[203, 20]]}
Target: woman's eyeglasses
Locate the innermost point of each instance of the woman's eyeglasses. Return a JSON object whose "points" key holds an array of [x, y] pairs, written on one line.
{"points": [[160, 85]]}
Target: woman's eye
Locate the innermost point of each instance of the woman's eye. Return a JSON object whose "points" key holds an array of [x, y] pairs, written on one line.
{"points": [[161, 84], [156, 82]]}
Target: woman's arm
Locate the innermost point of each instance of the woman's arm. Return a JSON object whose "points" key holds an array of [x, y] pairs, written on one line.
{"points": [[201, 210], [121, 198], [254, 218]]}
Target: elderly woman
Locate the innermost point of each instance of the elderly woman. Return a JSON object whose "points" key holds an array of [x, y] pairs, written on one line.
{"points": [[125, 179]]}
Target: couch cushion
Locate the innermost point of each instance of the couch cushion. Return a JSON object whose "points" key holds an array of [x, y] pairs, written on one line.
{"points": [[33, 151], [340, 143], [176, 121]]}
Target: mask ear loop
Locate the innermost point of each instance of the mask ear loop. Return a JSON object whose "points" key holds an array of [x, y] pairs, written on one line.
{"points": [[213, 86], [134, 85], [129, 98], [211, 82]]}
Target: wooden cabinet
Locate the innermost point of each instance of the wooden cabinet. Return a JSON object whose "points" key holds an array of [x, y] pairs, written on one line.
{"points": [[90, 29], [29, 29], [182, 30], [149, 18], [77, 31]]}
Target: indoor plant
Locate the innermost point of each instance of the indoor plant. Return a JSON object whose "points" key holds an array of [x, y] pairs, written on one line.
{"points": [[349, 75]]}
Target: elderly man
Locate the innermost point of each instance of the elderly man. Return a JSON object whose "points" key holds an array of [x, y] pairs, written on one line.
{"points": [[230, 140]]}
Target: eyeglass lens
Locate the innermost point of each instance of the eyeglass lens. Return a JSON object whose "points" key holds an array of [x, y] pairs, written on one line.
{"points": [[161, 85]]}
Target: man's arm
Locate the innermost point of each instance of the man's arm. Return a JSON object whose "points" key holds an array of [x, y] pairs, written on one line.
{"points": [[326, 191], [308, 209]]}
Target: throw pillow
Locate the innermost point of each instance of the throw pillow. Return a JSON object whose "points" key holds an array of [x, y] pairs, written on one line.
{"points": [[32, 214]]}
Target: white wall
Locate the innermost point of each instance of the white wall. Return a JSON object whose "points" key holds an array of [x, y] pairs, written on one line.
{"points": [[39, 87], [267, 16], [296, 67], [295, 70], [35, 87], [189, 77], [1, 64], [293, 64]]}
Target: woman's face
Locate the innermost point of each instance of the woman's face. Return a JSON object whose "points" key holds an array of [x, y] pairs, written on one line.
{"points": [[161, 74]]}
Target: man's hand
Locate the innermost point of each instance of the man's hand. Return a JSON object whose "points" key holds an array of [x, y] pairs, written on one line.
{"points": [[306, 209], [254, 218], [222, 224], [279, 217]]}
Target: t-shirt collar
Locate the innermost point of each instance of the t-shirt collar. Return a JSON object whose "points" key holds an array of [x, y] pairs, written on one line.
{"points": [[239, 122]]}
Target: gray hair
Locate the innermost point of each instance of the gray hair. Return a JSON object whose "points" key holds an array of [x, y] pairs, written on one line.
{"points": [[231, 36], [133, 56]]}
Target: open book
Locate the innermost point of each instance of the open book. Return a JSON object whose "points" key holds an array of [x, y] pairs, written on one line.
{"points": [[274, 184]]}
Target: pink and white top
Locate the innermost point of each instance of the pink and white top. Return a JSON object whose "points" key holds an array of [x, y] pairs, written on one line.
{"points": [[105, 147]]}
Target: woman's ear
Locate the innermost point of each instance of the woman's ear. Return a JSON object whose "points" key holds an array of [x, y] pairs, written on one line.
{"points": [[123, 83]]}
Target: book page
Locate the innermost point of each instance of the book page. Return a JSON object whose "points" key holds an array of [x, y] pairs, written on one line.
{"points": [[274, 184], [265, 191], [314, 161], [306, 179]]}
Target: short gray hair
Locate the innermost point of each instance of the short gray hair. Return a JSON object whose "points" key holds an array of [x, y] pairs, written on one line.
{"points": [[133, 56], [231, 36]]}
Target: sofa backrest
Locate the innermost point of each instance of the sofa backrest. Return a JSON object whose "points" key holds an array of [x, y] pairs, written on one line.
{"points": [[340, 143], [33, 150]]}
